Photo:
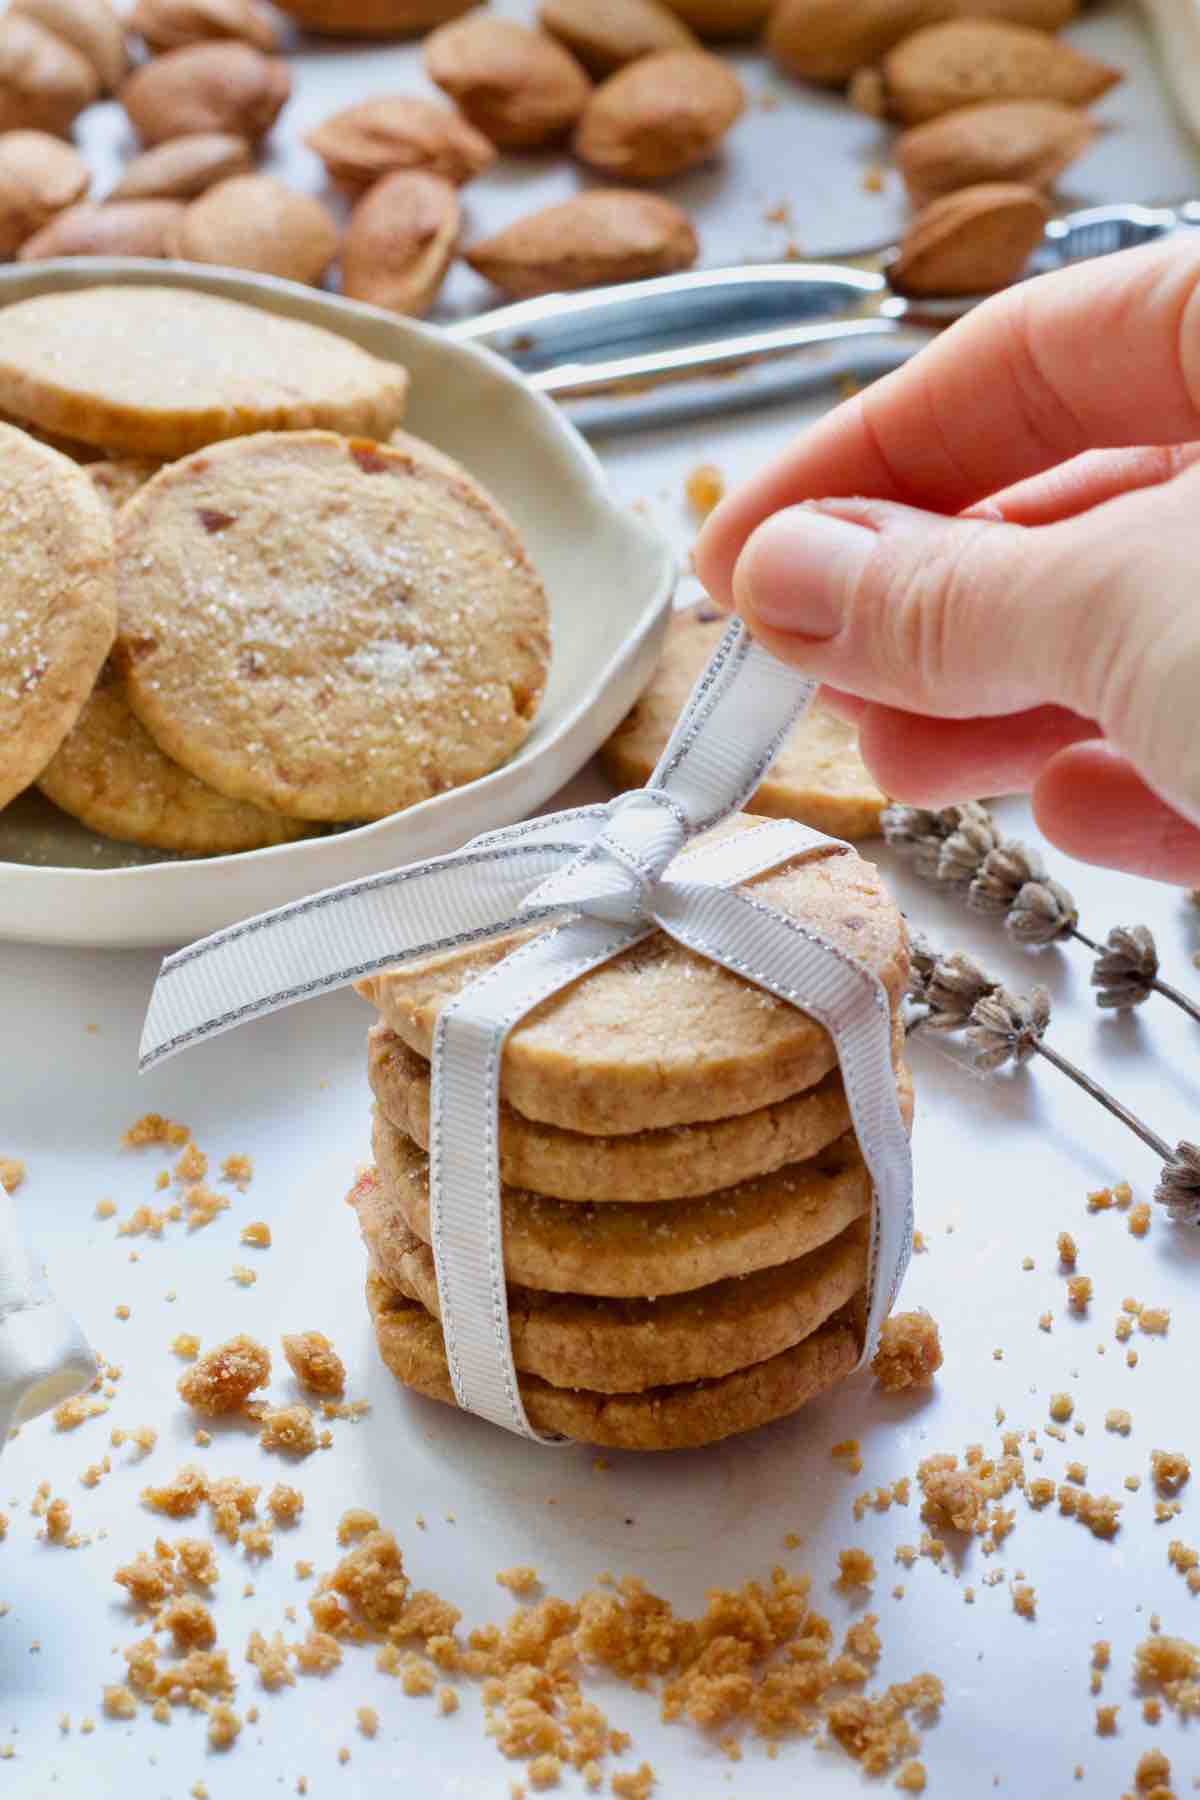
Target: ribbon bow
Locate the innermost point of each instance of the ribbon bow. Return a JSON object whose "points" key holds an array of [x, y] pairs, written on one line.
{"points": [[600, 879]]}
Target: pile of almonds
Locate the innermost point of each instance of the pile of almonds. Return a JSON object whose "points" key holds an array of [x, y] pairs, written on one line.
{"points": [[991, 104]]}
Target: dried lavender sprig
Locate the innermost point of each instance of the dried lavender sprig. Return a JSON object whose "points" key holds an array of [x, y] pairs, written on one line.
{"points": [[961, 846], [1002, 1027]]}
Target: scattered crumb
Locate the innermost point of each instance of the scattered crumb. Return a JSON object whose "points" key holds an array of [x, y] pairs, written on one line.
{"points": [[1068, 1251], [257, 1233], [1170, 1469], [242, 1275], [1117, 1419], [1106, 1720], [1061, 1407], [223, 1726], [223, 1380], [520, 1579], [186, 1344], [285, 1504], [855, 1568], [1024, 1599], [105, 1209], [1139, 1219], [368, 1720], [152, 1128], [289, 1429], [314, 1362], [239, 1170], [909, 1352], [1079, 1293], [12, 1173], [1155, 1320]]}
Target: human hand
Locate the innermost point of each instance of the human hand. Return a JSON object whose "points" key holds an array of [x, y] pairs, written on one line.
{"points": [[1011, 600]]}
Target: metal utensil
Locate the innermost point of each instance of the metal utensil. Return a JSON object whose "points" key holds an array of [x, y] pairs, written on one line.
{"points": [[710, 321]]}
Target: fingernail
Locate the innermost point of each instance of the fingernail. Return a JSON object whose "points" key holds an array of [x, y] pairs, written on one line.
{"points": [[799, 569]]}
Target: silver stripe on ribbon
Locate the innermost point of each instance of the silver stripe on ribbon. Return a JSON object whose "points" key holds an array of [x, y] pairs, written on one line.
{"points": [[600, 879]]}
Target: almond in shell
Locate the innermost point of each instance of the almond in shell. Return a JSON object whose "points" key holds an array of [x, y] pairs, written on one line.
{"points": [[126, 228], [372, 18], [607, 34], [173, 24], [399, 131], [207, 87], [1030, 141], [44, 83], [828, 40], [966, 61], [400, 240], [183, 167], [724, 19], [519, 87], [660, 115], [89, 26], [257, 222], [970, 242], [40, 176], [605, 234]]}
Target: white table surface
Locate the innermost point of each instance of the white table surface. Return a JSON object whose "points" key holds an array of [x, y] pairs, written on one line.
{"points": [[1002, 1166]]}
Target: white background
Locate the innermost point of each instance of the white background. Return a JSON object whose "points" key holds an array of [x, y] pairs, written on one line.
{"points": [[1002, 1166]]}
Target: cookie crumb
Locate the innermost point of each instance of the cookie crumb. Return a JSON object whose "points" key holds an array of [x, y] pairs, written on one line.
{"points": [[223, 1380], [1139, 1219], [239, 1170], [12, 1173], [1068, 1251], [1024, 1599], [1170, 1469], [223, 1726], [257, 1233], [1117, 1419], [1156, 1320], [1079, 1293], [242, 1275], [185, 1345], [314, 1362], [855, 1568], [521, 1579], [1061, 1407], [289, 1429], [1106, 1720], [152, 1128], [909, 1352], [368, 1720]]}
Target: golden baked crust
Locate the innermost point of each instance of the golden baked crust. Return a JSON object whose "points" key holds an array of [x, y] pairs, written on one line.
{"points": [[111, 775], [154, 371], [818, 777], [58, 604], [672, 1164], [325, 627], [629, 1251], [627, 1346], [661, 1036], [665, 1418]]}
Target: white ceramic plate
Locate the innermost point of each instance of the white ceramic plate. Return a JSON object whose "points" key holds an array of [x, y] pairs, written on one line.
{"points": [[608, 576]]}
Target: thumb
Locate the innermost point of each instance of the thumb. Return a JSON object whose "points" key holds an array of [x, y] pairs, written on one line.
{"points": [[967, 618]]}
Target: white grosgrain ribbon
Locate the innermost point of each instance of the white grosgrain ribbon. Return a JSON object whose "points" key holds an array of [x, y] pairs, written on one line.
{"points": [[600, 878]]}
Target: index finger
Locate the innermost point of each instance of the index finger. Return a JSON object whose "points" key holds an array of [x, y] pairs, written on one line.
{"points": [[1103, 355]]}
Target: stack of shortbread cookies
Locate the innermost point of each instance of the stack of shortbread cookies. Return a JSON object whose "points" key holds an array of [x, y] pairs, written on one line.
{"points": [[685, 1207]]}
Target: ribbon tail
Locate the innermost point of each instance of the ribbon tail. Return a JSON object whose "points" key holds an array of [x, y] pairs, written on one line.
{"points": [[466, 1226], [731, 730], [330, 939], [789, 959]]}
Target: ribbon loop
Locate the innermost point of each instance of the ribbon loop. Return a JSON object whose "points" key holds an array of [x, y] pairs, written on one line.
{"points": [[615, 877], [600, 879]]}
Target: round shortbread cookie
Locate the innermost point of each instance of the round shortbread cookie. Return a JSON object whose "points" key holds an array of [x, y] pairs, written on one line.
{"points": [[661, 1036], [818, 776], [326, 627], [626, 1346], [631, 1251], [673, 1164], [160, 371], [58, 603], [111, 775], [666, 1418]]}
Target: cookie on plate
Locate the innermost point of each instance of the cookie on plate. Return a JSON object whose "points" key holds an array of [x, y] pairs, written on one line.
{"points": [[111, 776], [818, 776], [660, 1036], [326, 627], [677, 1417], [160, 371], [646, 1166], [58, 607]]}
